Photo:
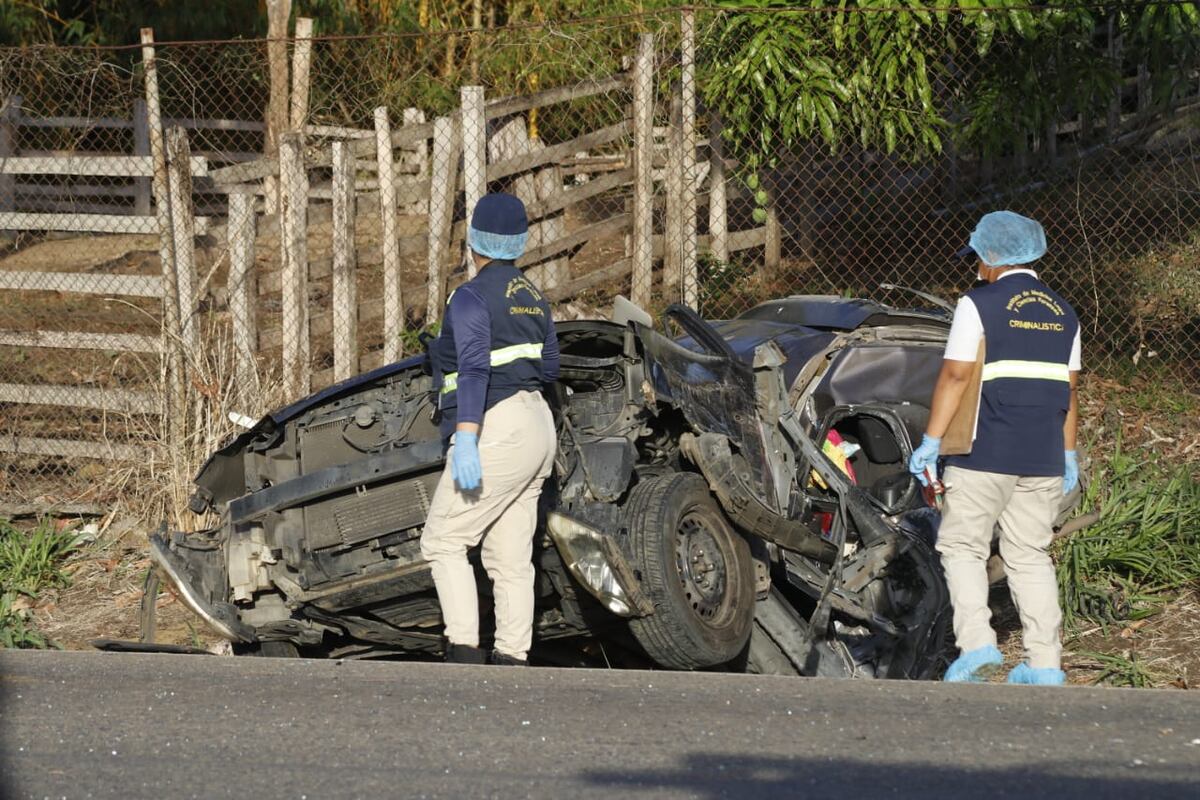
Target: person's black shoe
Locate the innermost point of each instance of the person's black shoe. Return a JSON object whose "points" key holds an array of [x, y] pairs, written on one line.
{"points": [[465, 654], [505, 660]]}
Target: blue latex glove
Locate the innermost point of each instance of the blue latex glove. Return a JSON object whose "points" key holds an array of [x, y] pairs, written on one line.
{"points": [[1071, 473], [464, 463], [925, 456]]}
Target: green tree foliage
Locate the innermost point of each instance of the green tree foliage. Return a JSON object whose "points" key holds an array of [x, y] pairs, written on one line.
{"points": [[84, 22], [897, 76], [118, 21], [784, 77]]}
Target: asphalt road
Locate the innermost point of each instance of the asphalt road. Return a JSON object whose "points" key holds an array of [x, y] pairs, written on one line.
{"points": [[157, 726]]}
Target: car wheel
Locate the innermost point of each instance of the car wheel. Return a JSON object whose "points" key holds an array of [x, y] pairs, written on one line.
{"points": [[267, 650], [696, 570]]}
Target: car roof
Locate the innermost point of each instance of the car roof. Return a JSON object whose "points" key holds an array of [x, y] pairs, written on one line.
{"points": [[830, 312]]}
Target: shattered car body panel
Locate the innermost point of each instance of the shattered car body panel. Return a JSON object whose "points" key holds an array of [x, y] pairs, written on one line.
{"points": [[786, 562]]}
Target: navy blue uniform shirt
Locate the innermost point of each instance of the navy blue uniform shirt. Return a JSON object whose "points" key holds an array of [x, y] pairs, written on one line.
{"points": [[497, 339]]}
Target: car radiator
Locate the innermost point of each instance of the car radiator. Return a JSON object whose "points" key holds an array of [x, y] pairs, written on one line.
{"points": [[369, 513]]}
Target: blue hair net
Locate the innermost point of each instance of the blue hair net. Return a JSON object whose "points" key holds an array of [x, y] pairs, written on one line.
{"points": [[505, 247], [1004, 238]]}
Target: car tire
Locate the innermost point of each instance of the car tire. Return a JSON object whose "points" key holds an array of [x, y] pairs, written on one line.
{"points": [[702, 616], [272, 649]]}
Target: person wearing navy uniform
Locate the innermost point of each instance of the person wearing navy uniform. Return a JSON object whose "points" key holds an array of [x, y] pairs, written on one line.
{"points": [[496, 352], [1022, 460]]}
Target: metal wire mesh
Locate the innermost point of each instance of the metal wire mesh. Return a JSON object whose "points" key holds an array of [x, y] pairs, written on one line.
{"points": [[138, 308], [1081, 135]]}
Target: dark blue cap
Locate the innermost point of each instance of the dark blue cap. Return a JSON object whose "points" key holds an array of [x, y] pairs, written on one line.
{"points": [[965, 252], [500, 213]]}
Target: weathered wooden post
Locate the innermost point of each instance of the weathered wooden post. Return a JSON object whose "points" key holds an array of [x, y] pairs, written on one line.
{"points": [[301, 60], [773, 250], [511, 141], [474, 139], [176, 411], [345, 295], [1144, 96], [688, 172], [243, 289], [183, 233], [673, 214], [718, 219], [393, 308], [443, 187], [547, 181], [1050, 142], [417, 159], [9, 114], [1116, 56], [141, 147], [278, 14], [293, 193], [643, 166]]}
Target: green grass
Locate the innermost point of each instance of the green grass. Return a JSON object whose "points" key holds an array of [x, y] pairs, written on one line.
{"points": [[1145, 547], [30, 563], [410, 339]]}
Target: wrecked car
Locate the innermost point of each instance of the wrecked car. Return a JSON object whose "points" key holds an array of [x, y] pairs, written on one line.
{"points": [[729, 494]]}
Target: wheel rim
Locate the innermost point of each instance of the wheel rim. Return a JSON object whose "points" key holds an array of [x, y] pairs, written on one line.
{"points": [[701, 563]]}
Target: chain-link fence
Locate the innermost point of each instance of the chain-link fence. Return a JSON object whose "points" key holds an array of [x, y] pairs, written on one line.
{"points": [[194, 229], [874, 141]]}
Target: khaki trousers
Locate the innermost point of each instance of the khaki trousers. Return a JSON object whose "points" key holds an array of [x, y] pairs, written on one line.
{"points": [[1025, 508], [517, 443]]}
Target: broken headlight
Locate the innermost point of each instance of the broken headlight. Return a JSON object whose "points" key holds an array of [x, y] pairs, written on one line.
{"points": [[596, 562]]}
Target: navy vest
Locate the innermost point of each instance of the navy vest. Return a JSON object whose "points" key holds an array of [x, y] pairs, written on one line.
{"points": [[520, 320], [1028, 330]]}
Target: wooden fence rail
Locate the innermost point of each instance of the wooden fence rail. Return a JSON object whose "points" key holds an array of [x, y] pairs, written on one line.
{"points": [[393, 202], [436, 170]]}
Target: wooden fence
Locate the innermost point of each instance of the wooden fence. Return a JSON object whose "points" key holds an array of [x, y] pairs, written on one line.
{"points": [[438, 169], [407, 187]]}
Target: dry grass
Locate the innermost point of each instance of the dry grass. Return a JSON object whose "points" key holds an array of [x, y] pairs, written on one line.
{"points": [[104, 597], [1149, 412]]}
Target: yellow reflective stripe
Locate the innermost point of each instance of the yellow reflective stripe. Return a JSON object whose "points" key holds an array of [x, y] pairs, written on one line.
{"points": [[507, 355], [1037, 370], [498, 358]]}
